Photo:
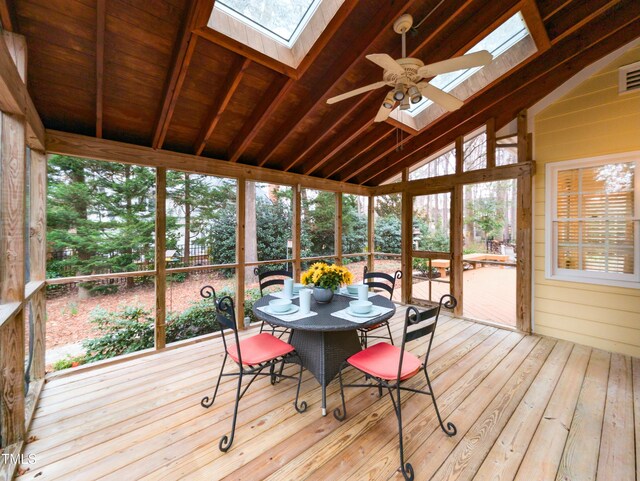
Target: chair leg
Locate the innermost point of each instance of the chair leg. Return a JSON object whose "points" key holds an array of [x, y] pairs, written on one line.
{"points": [[227, 441], [363, 339], [206, 402], [340, 416], [390, 336], [450, 429], [407, 469], [301, 407]]}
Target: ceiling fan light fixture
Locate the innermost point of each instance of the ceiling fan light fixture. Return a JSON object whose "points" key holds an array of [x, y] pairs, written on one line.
{"points": [[405, 104], [398, 93], [414, 94], [388, 101]]}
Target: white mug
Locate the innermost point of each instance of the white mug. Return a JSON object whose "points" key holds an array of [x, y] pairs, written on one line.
{"points": [[363, 292], [288, 288], [305, 301]]}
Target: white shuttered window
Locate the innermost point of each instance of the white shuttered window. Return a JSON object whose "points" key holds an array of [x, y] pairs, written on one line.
{"points": [[592, 226]]}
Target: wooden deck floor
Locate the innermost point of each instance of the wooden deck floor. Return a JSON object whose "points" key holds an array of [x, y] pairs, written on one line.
{"points": [[526, 407]]}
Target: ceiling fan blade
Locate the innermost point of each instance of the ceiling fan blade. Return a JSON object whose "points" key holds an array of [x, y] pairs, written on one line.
{"points": [[355, 92], [386, 62], [383, 113], [476, 59], [440, 97]]}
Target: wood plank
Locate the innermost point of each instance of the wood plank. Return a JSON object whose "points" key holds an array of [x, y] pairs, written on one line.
{"points": [[406, 261], [100, 149], [491, 143], [234, 77], [37, 216], [12, 395], [337, 242], [369, 430], [524, 252], [426, 446], [535, 25], [617, 445], [7, 16], [101, 16], [38, 309], [297, 229], [544, 454], [15, 99], [160, 333], [457, 240], [506, 444], [241, 216], [371, 233], [444, 182]]}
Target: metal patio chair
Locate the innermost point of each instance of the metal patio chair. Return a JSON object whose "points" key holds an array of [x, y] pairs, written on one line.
{"points": [[388, 366], [268, 279], [378, 280], [252, 356]]}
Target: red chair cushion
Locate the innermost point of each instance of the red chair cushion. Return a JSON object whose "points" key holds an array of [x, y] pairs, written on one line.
{"points": [[381, 360], [259, 348]]}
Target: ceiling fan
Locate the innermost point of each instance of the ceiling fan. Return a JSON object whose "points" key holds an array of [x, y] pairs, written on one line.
{"points": [[406, 76]]}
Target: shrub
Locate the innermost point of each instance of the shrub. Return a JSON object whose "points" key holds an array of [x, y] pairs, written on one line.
{"points": [[68, 362]]}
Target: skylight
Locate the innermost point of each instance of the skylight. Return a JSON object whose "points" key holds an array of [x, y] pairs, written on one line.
{"points": [[509, 44], [282, 20]]}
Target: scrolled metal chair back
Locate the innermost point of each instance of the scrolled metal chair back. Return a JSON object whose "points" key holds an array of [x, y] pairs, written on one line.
{"points": [[226, 317], [265, 281], [390, 284], [413, 317]]}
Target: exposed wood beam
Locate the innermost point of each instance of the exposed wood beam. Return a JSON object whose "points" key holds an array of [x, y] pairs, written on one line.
{"points": [[339, 70], [548, 8], [160, 331], [197, 16], [399, 125], [15, 99], [445, 182], [534, 22], [545, 71], [491, 143], [7, 16], [234, 77], [278, 89], [100, 23], [562, 25], [449, 17], [100, 149]]}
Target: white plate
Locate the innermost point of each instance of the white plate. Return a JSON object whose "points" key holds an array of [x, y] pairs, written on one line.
{"points": [[292, 310], [372, 313]]}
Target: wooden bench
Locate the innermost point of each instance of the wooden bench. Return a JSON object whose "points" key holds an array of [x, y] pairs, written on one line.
{"points": [[474, 259]]}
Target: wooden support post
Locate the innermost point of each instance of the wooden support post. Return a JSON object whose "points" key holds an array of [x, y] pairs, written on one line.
{"points": [[241, 215], [161, 261], [524, 221], [12, 270], [37, 257], [407, 242], [459, 155], [338, 228], [297, 226], [456, 268], [371, 214], [522, 136], [491, 143]]}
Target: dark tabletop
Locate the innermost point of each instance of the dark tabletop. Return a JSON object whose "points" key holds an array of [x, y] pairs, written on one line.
{"points": [[324, 321]]}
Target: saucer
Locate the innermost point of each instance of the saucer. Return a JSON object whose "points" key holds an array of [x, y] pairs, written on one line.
{"points": [[372, 313], [292, 309]]}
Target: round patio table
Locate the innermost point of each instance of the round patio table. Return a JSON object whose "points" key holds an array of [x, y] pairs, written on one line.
{"points": [[324, 341]]}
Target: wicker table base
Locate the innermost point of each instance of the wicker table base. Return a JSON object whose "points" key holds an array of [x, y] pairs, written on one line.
{"points": [[322, 353]]}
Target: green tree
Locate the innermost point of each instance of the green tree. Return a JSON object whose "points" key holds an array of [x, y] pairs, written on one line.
{"points": [[101, 214], [488, 215]]}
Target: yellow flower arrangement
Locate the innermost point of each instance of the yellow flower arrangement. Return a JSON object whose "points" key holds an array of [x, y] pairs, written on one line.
{"points": [[326, 276]]}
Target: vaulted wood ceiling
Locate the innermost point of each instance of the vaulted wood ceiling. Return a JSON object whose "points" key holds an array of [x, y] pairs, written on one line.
{"points": [[150, 72]]}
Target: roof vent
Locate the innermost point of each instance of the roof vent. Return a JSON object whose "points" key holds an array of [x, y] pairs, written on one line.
{"points": [[629, 78]]}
